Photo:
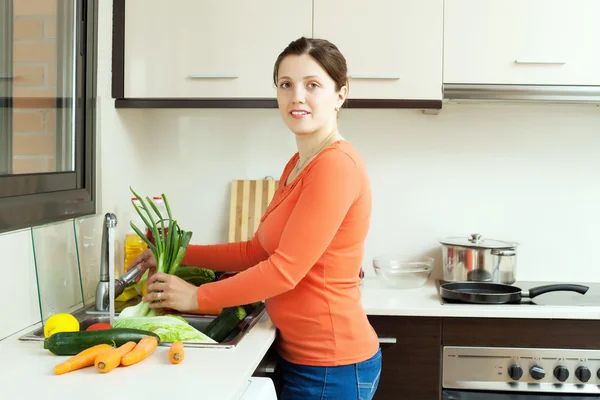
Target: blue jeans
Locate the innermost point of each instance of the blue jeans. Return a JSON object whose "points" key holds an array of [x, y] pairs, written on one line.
{"points": [[347, 382]]}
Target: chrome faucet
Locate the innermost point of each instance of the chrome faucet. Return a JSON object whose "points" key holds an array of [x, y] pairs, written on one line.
{"points": [[103, 287]]}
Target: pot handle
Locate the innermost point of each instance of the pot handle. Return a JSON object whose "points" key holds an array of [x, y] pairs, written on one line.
{"points": [[536, 291], [504, 252]]}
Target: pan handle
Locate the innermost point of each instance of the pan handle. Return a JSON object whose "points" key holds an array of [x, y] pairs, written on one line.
{"points": [[536, 291]]}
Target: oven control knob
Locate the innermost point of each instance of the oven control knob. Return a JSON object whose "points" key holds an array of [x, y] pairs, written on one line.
{"points": [[515, 372], [583, 374], [561, 373], [537, 372], [598, 374]]}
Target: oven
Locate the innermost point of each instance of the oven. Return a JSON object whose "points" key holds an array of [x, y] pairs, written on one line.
{"points": [[513, 373]]}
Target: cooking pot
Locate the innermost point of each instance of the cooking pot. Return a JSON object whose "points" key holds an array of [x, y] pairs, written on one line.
{"points": [[477, 259]]}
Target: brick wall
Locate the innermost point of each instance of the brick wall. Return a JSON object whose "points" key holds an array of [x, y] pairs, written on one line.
{"points": [[34, 69]]}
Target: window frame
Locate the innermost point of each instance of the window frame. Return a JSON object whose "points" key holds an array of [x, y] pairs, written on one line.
{"points": [[28, 200]]}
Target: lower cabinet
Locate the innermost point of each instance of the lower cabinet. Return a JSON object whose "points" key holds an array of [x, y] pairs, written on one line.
{"points": [[411, 357]]}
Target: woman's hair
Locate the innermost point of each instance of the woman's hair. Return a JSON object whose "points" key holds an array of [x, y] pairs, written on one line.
{"points": [[324, 52]]}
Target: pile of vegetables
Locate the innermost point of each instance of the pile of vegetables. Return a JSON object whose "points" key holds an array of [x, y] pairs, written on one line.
{"points": [[168, 248], [106, 350]]}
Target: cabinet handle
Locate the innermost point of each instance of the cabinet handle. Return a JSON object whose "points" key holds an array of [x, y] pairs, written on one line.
{"points": [[207, 76], [549, 62], [391, 340], [380, 77]]}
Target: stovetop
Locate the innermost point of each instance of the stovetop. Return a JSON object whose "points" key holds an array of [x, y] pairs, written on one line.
{"points": [[562, 298]]}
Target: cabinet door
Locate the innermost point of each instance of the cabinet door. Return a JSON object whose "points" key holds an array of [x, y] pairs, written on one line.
{"points": [[522, 42], [207, 48], [411, 357], [393, 47]]}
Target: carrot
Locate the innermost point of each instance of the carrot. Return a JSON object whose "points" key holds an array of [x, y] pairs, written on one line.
{"points": [[110, 359], [143, 349], [176, 353], [81, 360]]}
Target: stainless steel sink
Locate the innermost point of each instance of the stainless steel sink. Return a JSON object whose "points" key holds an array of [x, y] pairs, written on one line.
{"points": [[89, 315]]}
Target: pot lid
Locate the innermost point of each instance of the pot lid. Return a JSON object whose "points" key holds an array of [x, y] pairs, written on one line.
{"points": [[477, 241]]}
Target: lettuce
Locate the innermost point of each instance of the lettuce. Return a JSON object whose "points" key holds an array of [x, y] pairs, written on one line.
{"points": [[170, 328]]}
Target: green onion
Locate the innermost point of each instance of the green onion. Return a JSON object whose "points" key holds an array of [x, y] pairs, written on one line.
{"points": [[168, 249]]}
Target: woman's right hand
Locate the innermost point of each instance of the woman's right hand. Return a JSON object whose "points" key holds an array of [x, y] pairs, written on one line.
{"points": [[144, 261]]}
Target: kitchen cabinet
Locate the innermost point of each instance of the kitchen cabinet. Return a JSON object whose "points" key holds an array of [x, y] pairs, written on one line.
{"points": [[411, 357], [206, 48], [525, 42], [393, 47], [208, 54]]}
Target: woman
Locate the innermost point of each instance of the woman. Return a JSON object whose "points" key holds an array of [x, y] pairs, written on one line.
{"points": [[306, 256]]}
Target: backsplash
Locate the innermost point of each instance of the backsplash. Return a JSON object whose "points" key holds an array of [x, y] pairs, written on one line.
{"points": [[525, 173]]}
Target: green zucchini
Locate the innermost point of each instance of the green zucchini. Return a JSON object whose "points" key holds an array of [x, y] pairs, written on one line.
{"points": [[222, 326], [195, 275], [71, 343]]}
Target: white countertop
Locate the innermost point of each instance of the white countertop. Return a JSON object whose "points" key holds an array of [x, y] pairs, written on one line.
{"points": [[377, 299], [223, 374], [207, 374]]}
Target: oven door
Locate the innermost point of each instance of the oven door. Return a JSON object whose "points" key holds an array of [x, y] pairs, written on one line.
{"points": [[451, 394]]}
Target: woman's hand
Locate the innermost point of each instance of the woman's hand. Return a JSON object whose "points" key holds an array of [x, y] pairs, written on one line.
{"points": [[146, 261], [171, 292]]}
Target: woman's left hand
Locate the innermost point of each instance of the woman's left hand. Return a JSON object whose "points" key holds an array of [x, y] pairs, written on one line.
{"points": [[171, 292]]}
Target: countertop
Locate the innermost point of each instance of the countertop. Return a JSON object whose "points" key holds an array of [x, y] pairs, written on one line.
{"points": [[378, 299], [223, 374], [207, 374]]}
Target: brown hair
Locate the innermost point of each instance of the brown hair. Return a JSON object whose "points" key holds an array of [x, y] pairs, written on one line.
{"points": [[324, 52]]}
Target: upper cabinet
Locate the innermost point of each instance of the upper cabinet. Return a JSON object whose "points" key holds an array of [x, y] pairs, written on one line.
{"points": [[208, 48], [393, 47], [522, 42]]}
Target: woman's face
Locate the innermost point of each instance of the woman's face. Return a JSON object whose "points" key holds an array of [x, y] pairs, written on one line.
{"points": [[307, 97]]}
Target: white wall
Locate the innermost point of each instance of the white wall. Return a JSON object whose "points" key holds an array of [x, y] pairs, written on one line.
{"points": [[515, 172]]}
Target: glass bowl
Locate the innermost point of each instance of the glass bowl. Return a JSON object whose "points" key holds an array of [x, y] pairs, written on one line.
{"points": [[403, 271]]}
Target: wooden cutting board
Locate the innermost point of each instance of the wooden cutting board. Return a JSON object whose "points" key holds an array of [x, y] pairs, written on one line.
{"points": [[249, 200]]}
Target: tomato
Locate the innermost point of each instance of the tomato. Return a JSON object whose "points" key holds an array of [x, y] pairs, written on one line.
{"points": [[99, 326]]}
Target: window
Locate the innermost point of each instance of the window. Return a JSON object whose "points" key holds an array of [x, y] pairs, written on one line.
{"points": [[47, 116]]}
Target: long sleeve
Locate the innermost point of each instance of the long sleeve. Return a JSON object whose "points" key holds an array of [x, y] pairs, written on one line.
{"points": [[328, 190], [226, 257]]}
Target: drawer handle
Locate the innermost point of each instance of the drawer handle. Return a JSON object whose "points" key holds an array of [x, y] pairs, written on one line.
{"points": [[7, 77], [379, 77], [268, 368], [548, 62], [386, 340], [213, 76]]}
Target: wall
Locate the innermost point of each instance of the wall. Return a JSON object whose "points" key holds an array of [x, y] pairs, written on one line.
{"points": [[514, 172], [35, 62]]}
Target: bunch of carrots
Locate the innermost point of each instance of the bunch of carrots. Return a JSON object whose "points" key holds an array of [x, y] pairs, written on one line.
{"points": [[105, 357]]}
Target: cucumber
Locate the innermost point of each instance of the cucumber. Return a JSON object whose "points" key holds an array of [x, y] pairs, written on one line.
{"points": [[195, 275], [225, 323], [72, 343]]}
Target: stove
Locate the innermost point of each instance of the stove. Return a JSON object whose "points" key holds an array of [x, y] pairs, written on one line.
{"points": [[524, 373], [563, 298]]}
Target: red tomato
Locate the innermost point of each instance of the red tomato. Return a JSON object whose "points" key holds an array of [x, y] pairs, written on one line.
{"points": [[99, 326]]}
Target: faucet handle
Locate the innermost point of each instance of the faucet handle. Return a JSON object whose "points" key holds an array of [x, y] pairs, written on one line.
{"points": [[129, 277]]}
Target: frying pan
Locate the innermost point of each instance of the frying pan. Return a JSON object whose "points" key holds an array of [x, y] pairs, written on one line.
{"points": [[498, 293]]}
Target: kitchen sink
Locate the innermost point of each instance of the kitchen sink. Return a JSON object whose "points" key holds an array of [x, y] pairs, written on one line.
{"points": [[89, 315]]}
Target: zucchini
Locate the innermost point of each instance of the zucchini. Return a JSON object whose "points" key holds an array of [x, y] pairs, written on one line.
{"points": [[195, 275], [222, 326], [72, 343]]}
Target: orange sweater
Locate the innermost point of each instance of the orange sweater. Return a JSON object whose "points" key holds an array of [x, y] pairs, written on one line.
{"points": [[304, 261]]}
